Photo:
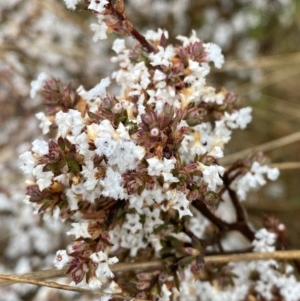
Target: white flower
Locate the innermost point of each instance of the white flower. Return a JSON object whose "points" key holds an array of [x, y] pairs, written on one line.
{"points": [[273, 173], [214, 54], [61, 259], [155, 166], [77, 122], [132, 223], [89, 173], [38, 84], [264, 241], [28, 162], [45, 122], [158, 75], [98, 90], [64, 123], [163, 56], [99, 31], [198, 72], [82, 144], [152, 219], [40, 147], [112, 185], [244, 117], [97, 5], [216, 152], [211, 175], [71, 4], [103, 271], [164, 294], [118, 45], [72, 200], [156, 35], [254, 179], [44, 178], [94, 283], [177, 200], [79, 230], [186, 41]]}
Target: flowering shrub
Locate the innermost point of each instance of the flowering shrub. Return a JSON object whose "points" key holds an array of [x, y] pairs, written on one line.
{"points": [[137, 174]]}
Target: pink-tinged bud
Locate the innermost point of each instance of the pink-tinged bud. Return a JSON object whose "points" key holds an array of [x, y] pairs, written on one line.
{"points": [[144, 276], [147, 118], [117, 109], [166, 186], [141, 286], [163, 277], [154, 132], [281, 227], [191, 251], [191, 167]]}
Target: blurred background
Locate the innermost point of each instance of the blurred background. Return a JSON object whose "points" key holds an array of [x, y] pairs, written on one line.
{"points": [[261, 43]]}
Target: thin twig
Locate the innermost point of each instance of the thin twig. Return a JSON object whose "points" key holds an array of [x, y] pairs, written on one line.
{"points": [[286, 165], [270, 79], [22, 279], [155, 264], [260, 62], [260, 148]]}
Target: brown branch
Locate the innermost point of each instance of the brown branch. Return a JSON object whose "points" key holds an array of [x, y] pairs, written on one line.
{"points": [[241, 224], [201, 206], [55, 285], [156, 264], [260, 148], [131, 29]]}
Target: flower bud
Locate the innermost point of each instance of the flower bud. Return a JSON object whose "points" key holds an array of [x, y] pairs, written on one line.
{"points": [[117, 109], [154, 132]]}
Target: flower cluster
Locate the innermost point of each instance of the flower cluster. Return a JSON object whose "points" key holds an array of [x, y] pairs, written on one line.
{"points": [[136, 172]]}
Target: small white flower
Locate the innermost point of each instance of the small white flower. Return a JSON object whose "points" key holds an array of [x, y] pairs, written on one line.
{"points": [[211, 175], [156, 35], [38, 84], [132, 223], [244, 117], [155, 167], [103, 271], [216, 152], [158, 75], [28, 162], [71, 4], [45, 122], [64, 123], [40, 147], [118, 45], [94, 283], [214, 54], [98, 90], [163, 56], [61, 259], [97, 5], [45, 180], [152, 219], [164, 294], [79, 230], [186, 41], [273, 174], [112, 185], [99, 31], [264, 241]]}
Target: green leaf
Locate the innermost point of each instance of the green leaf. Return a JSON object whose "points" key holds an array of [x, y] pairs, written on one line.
{"points": [[185, 260]]}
